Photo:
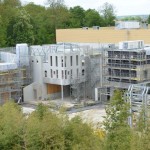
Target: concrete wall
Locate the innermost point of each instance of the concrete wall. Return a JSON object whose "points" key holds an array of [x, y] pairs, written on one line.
{"points": [[104, 35], [28, 93], [62, 72], [37, 65]]}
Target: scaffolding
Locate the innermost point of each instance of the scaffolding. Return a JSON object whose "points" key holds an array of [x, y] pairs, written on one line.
{"points": [[13, 76], [139, 99], [127, 67], [122, 67]]}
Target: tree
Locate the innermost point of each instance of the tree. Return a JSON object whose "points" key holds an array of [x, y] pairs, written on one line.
{"points": [[56, 17], [93, 18], [55, 3], [12, 3], [77, 16], [22, 30], [118, 132], [11, 126], [131, 18], [39, 19], [79, 135], [8, 10], [2, 33], [44, 130], [148, 19], [108, 13]]}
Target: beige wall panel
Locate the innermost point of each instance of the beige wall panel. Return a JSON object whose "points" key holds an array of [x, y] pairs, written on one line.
{"points": [[104, 35]]}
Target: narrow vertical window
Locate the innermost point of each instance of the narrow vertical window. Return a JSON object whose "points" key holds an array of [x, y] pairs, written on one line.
{"points": [[65, 74], [62, 73], [45, 73], [51, 73], [71, 73], [77, 73], [77, 60], [65, 61], [56, 59], [70, 60], [83, 72], [62, 61], [51, 61], [57, 74]]}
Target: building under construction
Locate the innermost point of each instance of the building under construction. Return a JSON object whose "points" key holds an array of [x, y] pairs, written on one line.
{"points": [[64, 70], [15, 72], [69, 70], [128, 64]]}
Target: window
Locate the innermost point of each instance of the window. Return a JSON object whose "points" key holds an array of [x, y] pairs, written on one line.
{"points": [[56, 73], [71, 73], [77, 60], [62, 73], [70, 60], [56, 59], [83, 72], [65, 74], [77, 73], [51, 61], [65, 61], [45, 73], [62, 61], [51, 73]]}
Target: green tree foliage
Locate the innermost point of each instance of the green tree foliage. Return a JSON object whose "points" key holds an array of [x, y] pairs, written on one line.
{"points": [[57, 17], [2, 33], [39, 23], [43, 130], [148, 19], [79, 135], [11, 126], [22, 29], [132, 18], [12, 3], [77, 15], [8, 10], [118, 132], [39, 19], [108, 12], [93, 18]]}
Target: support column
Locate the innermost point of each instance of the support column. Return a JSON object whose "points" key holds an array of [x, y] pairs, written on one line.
{"points": [[62, 92]]}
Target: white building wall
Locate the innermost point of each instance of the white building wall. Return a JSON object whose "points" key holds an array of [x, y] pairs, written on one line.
{"points": [[37, 90], [22, 52], [61, 72]]}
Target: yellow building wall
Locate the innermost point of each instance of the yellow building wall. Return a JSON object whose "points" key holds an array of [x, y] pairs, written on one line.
{"points": [[103, 35]]}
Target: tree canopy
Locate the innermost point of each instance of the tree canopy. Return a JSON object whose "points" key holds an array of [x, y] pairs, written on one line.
{"points": [[43, 130], [35, 24]]}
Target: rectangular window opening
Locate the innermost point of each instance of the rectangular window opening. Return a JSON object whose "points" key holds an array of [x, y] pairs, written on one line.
{"points": [[51, 61], [56, 59], [77, 60], [70, 60]]}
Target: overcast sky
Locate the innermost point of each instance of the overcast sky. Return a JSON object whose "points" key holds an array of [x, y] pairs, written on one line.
{"points": [[123, 7]]}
